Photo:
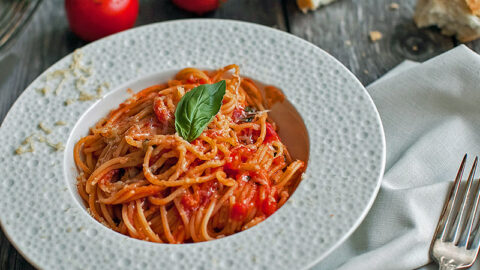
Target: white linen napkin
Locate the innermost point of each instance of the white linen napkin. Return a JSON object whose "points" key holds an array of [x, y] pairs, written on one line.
{"points": [[431, 116]]}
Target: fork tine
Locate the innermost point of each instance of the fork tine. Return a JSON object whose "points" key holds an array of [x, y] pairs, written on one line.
{"points": [[459, 226], [473, 215], [446, 216]]}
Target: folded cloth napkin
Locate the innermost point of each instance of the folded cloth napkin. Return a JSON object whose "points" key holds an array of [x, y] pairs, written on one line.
{"points": [[431, 116]]}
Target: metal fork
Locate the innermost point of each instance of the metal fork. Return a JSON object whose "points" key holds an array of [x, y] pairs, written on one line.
{"points": [[456, 241], [14, 15]]}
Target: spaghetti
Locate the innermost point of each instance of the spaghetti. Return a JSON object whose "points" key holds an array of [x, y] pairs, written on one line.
{"points": [[140, 178]]}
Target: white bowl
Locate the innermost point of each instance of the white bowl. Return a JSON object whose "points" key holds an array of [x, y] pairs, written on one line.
{"points": [[40, 211]]}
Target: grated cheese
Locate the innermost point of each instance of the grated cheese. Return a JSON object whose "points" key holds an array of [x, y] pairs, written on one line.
{"points": [[69, 101], [57, 146], [41, 139], [84, 96], [80, 82], [60, 85], [44, 90], [180, 92], [99, 91], [27, 146], [28, 140], [44, 128], [80, 72], [21, 150]]}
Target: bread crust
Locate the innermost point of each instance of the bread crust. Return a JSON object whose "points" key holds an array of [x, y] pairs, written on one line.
{"points": [[305, 5], [455, 17], [474, 6]]}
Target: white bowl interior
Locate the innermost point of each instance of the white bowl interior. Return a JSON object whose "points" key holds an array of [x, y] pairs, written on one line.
{"points": [[293, 132]]}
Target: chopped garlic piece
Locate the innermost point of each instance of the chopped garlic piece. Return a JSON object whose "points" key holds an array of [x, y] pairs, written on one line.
{"points": [[60, 123]]}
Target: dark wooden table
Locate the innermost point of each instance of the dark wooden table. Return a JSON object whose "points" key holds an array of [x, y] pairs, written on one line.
{"points": [[341, 29]]}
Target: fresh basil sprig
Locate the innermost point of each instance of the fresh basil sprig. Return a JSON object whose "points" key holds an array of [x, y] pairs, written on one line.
{"points": [[197, 108]]}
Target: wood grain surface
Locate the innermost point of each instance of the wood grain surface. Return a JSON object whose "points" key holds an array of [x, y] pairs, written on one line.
{"points": [[341, 29]]}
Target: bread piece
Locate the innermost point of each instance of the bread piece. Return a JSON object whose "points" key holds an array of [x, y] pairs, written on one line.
{"points": [[306, 5], [454, 17]]}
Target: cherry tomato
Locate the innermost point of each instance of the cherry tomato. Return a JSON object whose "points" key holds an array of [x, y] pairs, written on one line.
{"points": [[271, 134], [269, 206], [161, 111], [206, 191], [94, 19], [189, 203], [198, 6], [192, 79], [238, 155], [239, 211]]}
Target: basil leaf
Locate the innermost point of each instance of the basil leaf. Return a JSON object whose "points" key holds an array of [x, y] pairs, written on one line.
{"points": [[197, 108]]}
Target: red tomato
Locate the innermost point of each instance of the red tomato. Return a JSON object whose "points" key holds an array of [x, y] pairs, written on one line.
{"points": [[198, 6], [271, 134], [239, 211], [269, 206], [161, 111], [238, 155], [107, 178], [206, 191], [94, 19], [194, 80], [189, 203], [279, 160], [238, 114]]}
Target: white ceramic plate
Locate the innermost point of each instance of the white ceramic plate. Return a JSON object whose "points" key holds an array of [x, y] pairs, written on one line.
{"points": [[40, 210]]}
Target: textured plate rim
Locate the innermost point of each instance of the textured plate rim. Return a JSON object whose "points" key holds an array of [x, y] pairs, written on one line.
{"points": [[379, 171]]}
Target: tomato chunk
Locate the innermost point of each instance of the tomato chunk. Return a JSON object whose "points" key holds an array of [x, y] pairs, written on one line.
{"points": [[238, 155], [269, 206], [107, 178], [239, 211], [238, 114], [189, 203], [270, 135], [161, 111]]}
